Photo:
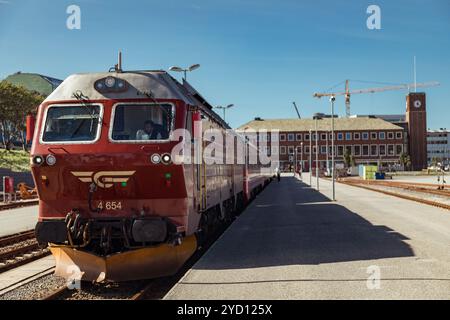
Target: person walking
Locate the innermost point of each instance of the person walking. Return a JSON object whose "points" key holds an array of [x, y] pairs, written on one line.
{"points": [[277, 172]]}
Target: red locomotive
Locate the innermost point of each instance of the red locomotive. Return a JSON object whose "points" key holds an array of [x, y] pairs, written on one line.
{"points": [[112, 200]]}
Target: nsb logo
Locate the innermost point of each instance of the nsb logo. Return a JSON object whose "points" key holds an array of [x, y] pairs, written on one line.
{"points": [[104, 179]]}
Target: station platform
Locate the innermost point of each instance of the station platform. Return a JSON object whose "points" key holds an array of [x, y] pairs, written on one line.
{"points": [[18, 220], [15, 277], [293, 242]]}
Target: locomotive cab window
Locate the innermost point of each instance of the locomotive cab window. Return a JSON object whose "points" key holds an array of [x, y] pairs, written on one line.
{"points": [[142, 122], [71, 124]]}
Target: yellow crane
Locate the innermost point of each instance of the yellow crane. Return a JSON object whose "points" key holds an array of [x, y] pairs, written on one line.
{"points": [[347, 93]]}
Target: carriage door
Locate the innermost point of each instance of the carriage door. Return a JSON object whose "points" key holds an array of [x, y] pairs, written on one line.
{"points": [[200, 167]]}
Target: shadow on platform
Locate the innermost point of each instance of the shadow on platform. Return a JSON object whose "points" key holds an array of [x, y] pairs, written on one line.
{"points": [[290, 223]]}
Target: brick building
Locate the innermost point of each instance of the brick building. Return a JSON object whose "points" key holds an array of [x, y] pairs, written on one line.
{"points": [[438, 146], [369, 140]]}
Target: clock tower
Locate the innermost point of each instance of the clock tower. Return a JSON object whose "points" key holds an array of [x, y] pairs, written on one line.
{"points": [[416, 118]]}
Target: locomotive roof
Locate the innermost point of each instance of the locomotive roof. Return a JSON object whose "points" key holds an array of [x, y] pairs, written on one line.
{"points": [[157, 82]]}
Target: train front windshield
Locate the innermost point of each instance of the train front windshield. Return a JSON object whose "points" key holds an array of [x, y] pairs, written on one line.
{"points": [[71, 123], [142, 122]]}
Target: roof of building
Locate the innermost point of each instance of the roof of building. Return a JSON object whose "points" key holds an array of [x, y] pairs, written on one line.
{"points": [[340, 124], [387, 117], [44, 85]]}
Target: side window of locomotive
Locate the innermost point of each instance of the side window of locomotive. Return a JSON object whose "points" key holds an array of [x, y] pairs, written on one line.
{"points": [[71, 124], [142, 122]]}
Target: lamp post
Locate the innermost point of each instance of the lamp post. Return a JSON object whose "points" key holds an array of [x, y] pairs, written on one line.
{"points": [[328, 167], [310, 158], [317, 117], [184, 70], [301, 161], [332, 99], [224, 109]]}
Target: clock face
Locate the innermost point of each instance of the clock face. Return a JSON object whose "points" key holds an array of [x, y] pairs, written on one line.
{"points": [[417, 103]]}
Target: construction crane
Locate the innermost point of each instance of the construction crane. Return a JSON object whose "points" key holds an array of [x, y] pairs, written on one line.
{"points": [[347, 93], [296, 109]]}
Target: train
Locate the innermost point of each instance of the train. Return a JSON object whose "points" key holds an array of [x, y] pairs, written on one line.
{"points": [[115, 202]]}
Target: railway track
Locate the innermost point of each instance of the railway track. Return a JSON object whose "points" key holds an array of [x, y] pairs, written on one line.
{"points": [[18, 204], [153, 289], [19, 249], [411, 187]]}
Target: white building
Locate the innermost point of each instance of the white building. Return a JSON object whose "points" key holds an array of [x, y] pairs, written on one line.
{"points": [[438, 145]]}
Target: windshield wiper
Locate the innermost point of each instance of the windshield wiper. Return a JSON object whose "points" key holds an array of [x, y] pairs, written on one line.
{"points": [[82, 98]]}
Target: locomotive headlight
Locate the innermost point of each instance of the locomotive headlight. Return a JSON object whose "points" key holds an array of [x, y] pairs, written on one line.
{"points": [[155, 158], [110, 82], [166, 158], [50, 159], [38, 160]]}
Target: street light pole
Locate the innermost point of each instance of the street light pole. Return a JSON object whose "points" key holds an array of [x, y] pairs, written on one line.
{"points": [[310, 159], [328, 165], [332, 99], [301, 161], [317, 157], [224, 108], [184, 70]]}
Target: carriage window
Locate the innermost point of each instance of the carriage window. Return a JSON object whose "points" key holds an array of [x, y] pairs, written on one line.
{"points": [[71, 124], [142, 122]]}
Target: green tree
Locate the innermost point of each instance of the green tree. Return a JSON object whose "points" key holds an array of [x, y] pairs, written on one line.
{"points": [[405, 160], [349, 161], [15, 104]]}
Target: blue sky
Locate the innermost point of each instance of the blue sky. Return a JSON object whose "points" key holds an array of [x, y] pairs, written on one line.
{"points": [[259, 55]]}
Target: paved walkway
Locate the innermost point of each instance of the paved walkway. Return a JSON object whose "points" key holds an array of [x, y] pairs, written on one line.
{"points": [[18, 220], [292, 242], [28, 271]]}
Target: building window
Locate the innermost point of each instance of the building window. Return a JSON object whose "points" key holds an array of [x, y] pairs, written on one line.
{"points": [[282, 137], [323, 136], [299, 137], [373, 136], [307, 149], [373, 150], [390, 149], [275, 136], [340, 136], [365, 150], [365, 136], [348, 149], [274, 150], [357, 150], [299, 149], [314, 137], [398, 149], [356, 136], [340, 151], [331, 136], [398, 135], [291, 137], [291, 149], [323, 149], [307, 136], [330, 150], [390, 135], [382, 135], [283, 150], [382, 149], [314, 150], [348, 136]]}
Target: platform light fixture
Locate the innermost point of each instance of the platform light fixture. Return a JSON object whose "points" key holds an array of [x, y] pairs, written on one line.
{"points": [[224, 109], [185, 70]]}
